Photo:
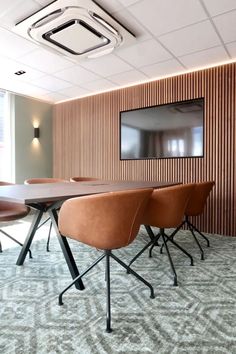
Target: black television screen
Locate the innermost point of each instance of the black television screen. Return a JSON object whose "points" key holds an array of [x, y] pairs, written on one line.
{"points": [[165, 131]]}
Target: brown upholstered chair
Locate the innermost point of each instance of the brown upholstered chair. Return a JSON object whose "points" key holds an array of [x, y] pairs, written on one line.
{"points": [[104, 221], [165, 209], [48, 204], [10, 211], [195, 207], [83, 179]]}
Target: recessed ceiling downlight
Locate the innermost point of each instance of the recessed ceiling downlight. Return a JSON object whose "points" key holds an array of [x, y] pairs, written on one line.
{"points": [[75, 28], [20, 72]]}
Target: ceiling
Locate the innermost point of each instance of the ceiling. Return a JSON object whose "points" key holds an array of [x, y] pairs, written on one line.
{"points": [[172, 36]]}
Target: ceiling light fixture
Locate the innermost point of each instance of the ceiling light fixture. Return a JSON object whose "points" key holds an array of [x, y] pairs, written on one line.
{"points": [[20, 72]]}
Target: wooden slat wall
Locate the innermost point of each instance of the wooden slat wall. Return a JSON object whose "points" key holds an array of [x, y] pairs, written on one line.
{"points": [[86, 139]]}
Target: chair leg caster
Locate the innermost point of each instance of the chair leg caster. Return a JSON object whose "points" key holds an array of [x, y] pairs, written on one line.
{"points": [[152, 296]]}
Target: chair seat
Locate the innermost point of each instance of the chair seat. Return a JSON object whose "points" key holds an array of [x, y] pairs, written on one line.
{"points": [[12, 211]]}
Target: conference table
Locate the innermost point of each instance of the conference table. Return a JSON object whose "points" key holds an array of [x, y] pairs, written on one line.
{"points": [[36, 195]]}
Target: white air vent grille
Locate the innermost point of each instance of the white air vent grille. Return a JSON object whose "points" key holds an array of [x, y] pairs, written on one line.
{"points": [[76, 28]]}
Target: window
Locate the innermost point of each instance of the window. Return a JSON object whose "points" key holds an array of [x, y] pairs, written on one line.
{"points": [[175, 147], [5, 138]]}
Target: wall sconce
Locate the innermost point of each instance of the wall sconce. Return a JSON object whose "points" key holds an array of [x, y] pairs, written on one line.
{"points": [[36, 133]]}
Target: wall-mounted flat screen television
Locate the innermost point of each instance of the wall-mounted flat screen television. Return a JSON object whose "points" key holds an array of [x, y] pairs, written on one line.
{"points": [[164, 131]]}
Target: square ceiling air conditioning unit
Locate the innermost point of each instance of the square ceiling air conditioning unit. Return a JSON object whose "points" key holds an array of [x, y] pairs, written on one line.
{"points": [[76, 28]]}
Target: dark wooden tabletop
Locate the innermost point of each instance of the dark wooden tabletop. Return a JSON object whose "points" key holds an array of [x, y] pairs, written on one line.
{"points": [[40, 193]]}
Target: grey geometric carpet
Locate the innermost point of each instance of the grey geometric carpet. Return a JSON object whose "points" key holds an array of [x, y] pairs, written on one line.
{"points": [[198, 316]]}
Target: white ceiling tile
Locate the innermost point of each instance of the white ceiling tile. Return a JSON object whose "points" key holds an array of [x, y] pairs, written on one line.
{"points": [[224, 24], [216, 7], [106, 65], [99, 85], [191, 39], [47, 71], [205, 57], [23, 9], [31, 90], [144, 53], [163, 16], [232, 49], [127, 3], [110, 5], [132, 25], [54, 97], [8, 68], [51, 83], [23, 87], [74, 91], [13, 46], [6, 6], [46, 61], [161, 69], [77, 75], [129, 77], [44, 2]]}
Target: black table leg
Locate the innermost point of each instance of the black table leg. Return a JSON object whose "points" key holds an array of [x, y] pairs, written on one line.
{"points": [[30, 236], [66, 250]]}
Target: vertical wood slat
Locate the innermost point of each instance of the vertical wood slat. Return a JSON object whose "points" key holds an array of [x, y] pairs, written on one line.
{"points": [[86, 139]]}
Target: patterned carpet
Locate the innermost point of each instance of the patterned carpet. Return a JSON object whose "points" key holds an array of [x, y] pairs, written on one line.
{"points": [[198, 316]]}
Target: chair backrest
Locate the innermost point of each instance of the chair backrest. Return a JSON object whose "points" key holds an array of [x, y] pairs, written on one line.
{"points": [[44, 180], [11, 211], [198, 198], [105, 221], [83, 179], [3, 183], [166, 206]]}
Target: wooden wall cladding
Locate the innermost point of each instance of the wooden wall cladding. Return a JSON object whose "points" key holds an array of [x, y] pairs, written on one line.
{"points": [[86, 139]]}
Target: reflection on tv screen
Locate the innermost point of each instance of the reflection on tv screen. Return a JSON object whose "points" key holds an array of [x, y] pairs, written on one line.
{"points": [[172, 130]]}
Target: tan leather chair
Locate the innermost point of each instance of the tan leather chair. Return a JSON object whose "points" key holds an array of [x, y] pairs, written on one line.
{"points": [[10, 211], [83, 179], [195, 207], [48, 204], [165, 209], [104, 221]]}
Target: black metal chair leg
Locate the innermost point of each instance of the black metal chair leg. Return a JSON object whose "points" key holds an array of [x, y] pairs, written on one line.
{"points": [[154, 244], [49, 234], [150, 232], [150, 250], [199, 232], [78, 278], [181, 249], [177, 230], [139, 254], [173, 234], [13, 239], [152, 296], [198, 243], [170, 259], [0, 247], [108, 314]]}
